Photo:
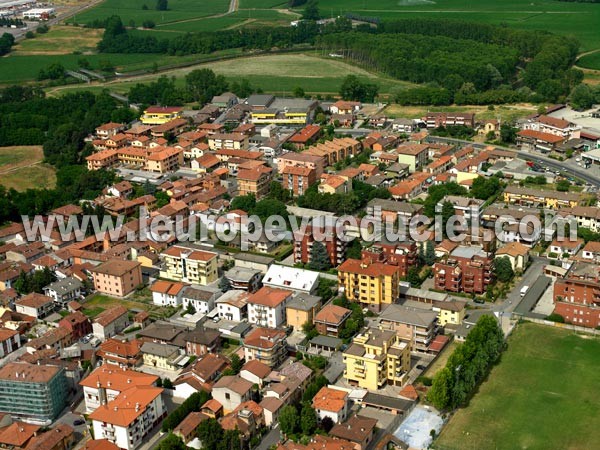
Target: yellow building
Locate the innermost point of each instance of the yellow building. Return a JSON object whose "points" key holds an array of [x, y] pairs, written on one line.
{"points": [[157, 115], [450, 312], [375, 358], [160, 356], [371, 284], [301, 309], [540, 197], [189, 265], [415, 155], [168, 159]]}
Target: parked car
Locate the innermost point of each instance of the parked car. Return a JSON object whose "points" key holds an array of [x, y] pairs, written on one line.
{"points": [[77, 422]]}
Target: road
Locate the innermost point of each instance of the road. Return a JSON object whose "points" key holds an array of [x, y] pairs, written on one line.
{"points": [[569, 167], [270, 439]]}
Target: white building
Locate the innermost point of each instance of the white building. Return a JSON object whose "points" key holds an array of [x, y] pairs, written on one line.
{"points": [[38, 14], [266, 307], [231, 391], [167, 293], [64, 291], [35, 305], [202, 300], [106, 382], [291, 278], [233, 305], [129, 418]]}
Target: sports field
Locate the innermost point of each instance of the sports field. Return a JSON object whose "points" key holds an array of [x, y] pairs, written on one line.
{"points": [[542, 395], [21, 168]]}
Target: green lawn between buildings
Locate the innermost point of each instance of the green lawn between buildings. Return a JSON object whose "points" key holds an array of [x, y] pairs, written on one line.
{"points": [[542, 395]]}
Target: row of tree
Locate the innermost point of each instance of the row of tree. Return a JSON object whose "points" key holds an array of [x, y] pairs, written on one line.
{"points": [[468, 365], [7, 40]]}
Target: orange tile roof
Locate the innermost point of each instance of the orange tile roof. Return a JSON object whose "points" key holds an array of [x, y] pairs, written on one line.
{"points": [[17, 434], [28, 373], [332, 314], [554, 122], [253, 174], [116, 378], [255, 367], [198, 255], [100, 444], [212, 404], [411, 149], [541, 136], [264, 338], [110, 315], [121, 348], [128, 406], [116, 267], [268, 296], [167, 287], [328, 399], [372, 269], [34, 300]]}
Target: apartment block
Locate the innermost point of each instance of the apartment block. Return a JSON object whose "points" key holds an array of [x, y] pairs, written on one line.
{"points": [[467, 269], [254, 181], [189, 265], [577, 295], [266, 345], [371, 284], [327, 236], [523, 196], [418, 326], [117, 277], [375, 358]]}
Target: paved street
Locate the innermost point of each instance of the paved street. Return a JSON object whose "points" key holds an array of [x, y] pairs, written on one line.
{"points": [[269, 439]]}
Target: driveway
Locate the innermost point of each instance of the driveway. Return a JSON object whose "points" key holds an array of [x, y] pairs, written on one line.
{"points": [[531, 274]]}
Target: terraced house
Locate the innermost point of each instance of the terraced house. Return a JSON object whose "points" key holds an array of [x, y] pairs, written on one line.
{"points": [[541, 197]]}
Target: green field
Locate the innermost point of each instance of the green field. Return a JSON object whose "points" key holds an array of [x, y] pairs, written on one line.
{"points": [[60, 40], [542, 395], [21, 168], [132, 10], [591, 61]]}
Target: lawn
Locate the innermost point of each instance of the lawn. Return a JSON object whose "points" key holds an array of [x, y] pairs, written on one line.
{"points": [[540, 396], [132, 12], [60, 40], [21, 168], [441, 360]]}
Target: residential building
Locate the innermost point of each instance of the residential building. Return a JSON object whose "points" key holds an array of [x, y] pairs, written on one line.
{"points": [[330, 319], [327, 235], [415, 155], [401, 255], [334, 184], [244, 279], [202, 341], [291, 278], [449, 310], [266, 307], [371, 284], [467, 269], [77, 323], [298, 179], [345, 107], [167, 293], [255, 372], [469, 208], [517, 254], [250, 261], [32, 392], [529, 140], [254, 181], [200, 375], [168, 159], [306, 160], [127, 420], [157, 115], [332, 403], [231, 141], [271, 407], [124, 354], [564, 247], [577, 295], [160, 356], [265, 345], [375, 358], [554, 126], [358, 429], [416, 325], [301, 309], [10, 340], [35, 305], [233, 305], [401, 125], [202, 300], [336, 150], [187, 429], [190, 265], [443, 119], [65, 290], [231, 391], [106, 382], [110, 322], [59, 437], [306, 136], [118, 278]]}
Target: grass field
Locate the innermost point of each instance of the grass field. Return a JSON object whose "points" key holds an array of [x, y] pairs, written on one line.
{"points": [[131, 11], [60, 40], [503, 112], [577, 19], [441, 360], [540, 396], [21, 168], [591, 61]]}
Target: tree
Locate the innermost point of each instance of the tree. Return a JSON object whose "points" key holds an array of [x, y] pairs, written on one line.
{"points": [[224, 284], [211, 434], [162, 5], [311, 12], [299, 92], [439, 394], [446, 213], [429, 253], [354, 89], [309, 330], [167, 383], [421, 253], [354, 250], [327, 424], [288, 420], [485, 187], [319, 258], [563, 185], [503, 269], [204, 84], [171, 442], [236, 364], [582, 97], [308, 420], [508, 133], [244, 202]]}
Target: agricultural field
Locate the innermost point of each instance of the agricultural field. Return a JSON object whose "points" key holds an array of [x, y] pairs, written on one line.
{"points": [[60, 40], [590, 61], [577, 19], [133, 12], [537, 397], [21, 168], [506, 113]]}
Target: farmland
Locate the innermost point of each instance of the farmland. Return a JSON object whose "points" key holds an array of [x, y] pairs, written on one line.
{"points": [[590, 61], [506, 113], [21, 168], [537, 397], [60, 40]]}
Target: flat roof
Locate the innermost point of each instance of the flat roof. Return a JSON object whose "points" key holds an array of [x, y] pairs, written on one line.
{"points": [[533, 295]]}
